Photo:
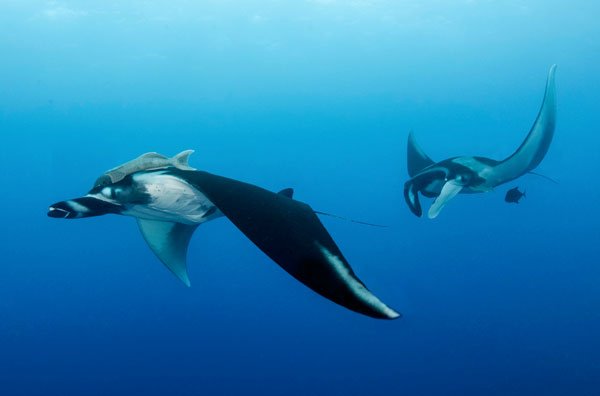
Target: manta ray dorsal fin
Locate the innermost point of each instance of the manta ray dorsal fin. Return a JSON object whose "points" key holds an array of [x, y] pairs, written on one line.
{"points": [[287, 192], [417, 160], [169, 241], [449, 191]]}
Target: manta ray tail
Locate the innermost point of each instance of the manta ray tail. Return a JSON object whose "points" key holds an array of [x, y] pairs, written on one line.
{"points": [[350, 220], [417, 160], [289, 193], [543, 177]]}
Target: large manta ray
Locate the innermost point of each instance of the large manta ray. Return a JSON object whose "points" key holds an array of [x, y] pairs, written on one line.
{"points": [[445, 179], [169, 200]]}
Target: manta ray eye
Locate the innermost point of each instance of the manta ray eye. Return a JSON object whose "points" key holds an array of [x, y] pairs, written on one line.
{"points": [[463, 178], [108, 192]]}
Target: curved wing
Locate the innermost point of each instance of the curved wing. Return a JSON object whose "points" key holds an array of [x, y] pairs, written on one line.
{"points": [[291, 234], [535, 146], [416, 158]]}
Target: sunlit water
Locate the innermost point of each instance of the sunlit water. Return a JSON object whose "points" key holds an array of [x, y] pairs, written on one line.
{"points": [[316, 95]]}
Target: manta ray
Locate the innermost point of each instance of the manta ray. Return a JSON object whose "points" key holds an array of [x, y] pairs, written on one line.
{"points": [[445, 179], [169, 199]]}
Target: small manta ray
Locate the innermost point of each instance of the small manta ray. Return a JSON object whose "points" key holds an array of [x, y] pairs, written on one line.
{"points": [[445, 179], [169, 200], [514, 195]]}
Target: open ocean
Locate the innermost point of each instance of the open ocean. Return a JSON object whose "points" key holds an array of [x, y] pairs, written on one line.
{"points": [[497, 299]]}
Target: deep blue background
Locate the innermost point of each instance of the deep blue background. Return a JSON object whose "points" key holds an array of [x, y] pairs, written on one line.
{"points": [[317, 95]]}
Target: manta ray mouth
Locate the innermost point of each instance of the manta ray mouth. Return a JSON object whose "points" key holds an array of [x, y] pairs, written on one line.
{"points": [[58, 213], [78, 208]]}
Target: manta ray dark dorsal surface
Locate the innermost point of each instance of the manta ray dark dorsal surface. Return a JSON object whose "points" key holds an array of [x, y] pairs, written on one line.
{"points": [[169, 203], [291, 234]]}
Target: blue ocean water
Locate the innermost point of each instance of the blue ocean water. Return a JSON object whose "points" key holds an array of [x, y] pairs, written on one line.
{"points": [[316, 95]]}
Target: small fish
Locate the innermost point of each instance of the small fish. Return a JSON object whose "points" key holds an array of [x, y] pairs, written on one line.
{"points": [[146, 161], [514, 195]]}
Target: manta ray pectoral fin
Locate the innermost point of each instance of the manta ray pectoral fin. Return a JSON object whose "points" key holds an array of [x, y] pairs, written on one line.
{"points": [[416, 158], [287, 192], [535, 146], [290, 233], [169, 241], [449, 191]]}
